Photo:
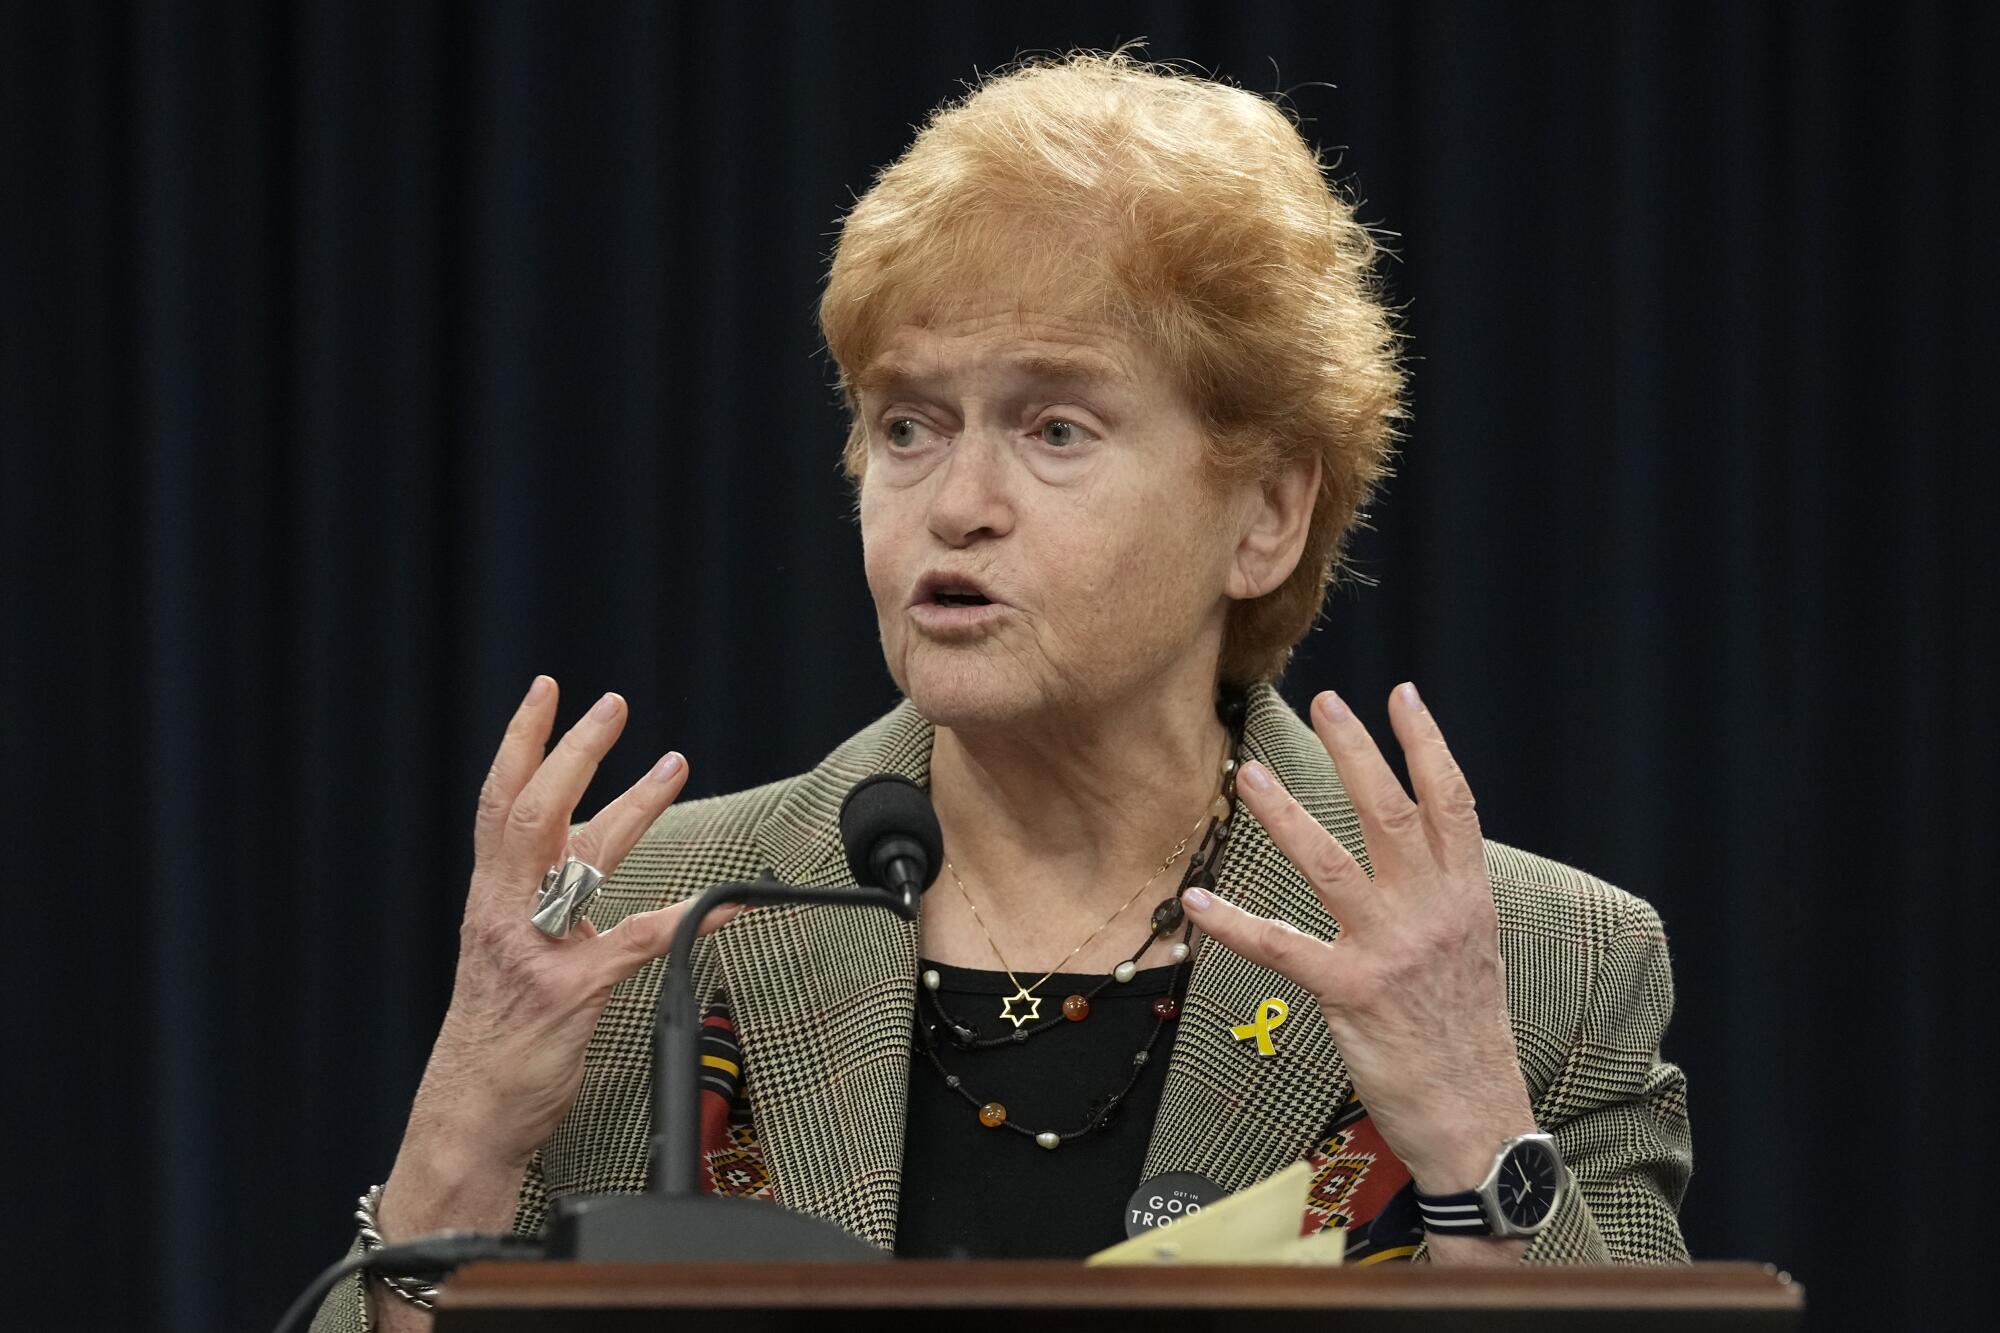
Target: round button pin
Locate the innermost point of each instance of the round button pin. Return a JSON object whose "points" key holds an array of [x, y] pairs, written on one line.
{"points": [[1168, 1198]]}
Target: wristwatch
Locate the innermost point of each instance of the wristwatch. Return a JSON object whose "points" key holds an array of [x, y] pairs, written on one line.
{"points": [[1517, 1198]]}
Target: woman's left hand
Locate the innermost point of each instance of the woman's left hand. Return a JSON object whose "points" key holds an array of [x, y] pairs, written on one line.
{"points": [[1414, 988]]}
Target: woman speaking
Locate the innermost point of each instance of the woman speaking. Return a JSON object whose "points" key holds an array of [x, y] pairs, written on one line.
{"points": [[1120, 382]]}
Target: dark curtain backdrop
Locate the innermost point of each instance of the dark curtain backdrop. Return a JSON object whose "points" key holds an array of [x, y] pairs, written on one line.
{"points": [[358, 361]]}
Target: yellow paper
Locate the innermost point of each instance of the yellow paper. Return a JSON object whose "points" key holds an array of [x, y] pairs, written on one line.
{"points": [[1259, 1225]]}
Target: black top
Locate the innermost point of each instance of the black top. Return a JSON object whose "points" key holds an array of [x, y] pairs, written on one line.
{"points": [[971, 1191]]}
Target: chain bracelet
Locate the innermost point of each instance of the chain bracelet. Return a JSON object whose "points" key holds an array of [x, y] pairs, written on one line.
{"points": [[423, 1295]]}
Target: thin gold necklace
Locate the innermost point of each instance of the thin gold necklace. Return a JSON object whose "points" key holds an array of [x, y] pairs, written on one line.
{"points": [[1026, 994]]}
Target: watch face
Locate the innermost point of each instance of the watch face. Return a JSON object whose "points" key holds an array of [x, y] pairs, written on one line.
{"points": [[1526, 1189]]}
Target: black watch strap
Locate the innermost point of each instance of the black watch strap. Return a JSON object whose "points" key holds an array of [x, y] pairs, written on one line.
{"points": [[1460, 1214], [1520, 1205]]}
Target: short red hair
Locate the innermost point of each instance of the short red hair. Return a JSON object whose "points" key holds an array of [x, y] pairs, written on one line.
{"points": [[1185, 210]]}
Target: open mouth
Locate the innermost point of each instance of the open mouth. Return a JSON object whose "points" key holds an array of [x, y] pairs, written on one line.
{"points": [[951, 592]]}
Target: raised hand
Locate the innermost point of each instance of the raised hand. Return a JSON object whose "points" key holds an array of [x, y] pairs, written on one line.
{"points": [[509, 1057], [1413, 988]]}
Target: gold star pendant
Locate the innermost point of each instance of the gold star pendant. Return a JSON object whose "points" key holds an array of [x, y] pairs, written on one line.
{"points": [[1034, 1007]]}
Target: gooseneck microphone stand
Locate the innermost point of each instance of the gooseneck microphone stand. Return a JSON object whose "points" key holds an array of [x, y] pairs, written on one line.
{"points": [[676, 1144], [674, 1219], [890, 834]]}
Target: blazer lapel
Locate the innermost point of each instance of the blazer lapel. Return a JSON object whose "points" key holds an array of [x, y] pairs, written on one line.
{"points": [[824, 1000], [1226, 1112]]}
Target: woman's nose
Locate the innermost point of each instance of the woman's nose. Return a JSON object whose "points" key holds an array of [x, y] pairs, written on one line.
{"points": [[971, 490]]}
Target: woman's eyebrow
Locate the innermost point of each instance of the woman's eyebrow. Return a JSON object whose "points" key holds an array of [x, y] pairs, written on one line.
{"points": [[1091, 370], [1040, 369], [882, 376]]}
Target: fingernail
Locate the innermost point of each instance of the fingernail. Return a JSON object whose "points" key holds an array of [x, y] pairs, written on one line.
{"points": [[669, 765], [538, 691], [1198, 899], [1409, 693], [1256, 776], [1333, 706], [606, 709]]}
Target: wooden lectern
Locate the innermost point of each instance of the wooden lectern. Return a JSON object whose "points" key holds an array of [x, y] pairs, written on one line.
{"points": [[1007, 1296]]}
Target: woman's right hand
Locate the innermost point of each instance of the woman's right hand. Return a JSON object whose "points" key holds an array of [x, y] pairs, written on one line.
{"points": [[509, 1056]]}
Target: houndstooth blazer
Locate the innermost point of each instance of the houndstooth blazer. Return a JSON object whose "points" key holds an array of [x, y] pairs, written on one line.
{"points": [[824, 1000]]}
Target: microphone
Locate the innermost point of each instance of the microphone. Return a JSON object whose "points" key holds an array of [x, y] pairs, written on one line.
{"points": [[890, 831], [895, 849]]}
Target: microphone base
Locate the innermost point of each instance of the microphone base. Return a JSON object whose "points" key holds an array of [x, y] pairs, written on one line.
{"points": [[656, 1228]]}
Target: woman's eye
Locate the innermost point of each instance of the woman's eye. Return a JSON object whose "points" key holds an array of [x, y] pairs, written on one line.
{"points": [[902, 432], [1060, 433]]}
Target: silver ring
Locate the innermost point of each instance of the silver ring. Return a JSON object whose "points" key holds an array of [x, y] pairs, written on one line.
{"points": [[566, 890]]}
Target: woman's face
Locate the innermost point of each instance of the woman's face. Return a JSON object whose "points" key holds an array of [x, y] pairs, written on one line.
{"points": [[1039, 530]]}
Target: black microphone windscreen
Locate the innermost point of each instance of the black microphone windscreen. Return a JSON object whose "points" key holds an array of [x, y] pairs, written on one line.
{"points": [[889, 806]]}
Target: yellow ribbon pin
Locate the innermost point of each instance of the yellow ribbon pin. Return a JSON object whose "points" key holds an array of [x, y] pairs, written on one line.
{"points": [[1269, 1014]]}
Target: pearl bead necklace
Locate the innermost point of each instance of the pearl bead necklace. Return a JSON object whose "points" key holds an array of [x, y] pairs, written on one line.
{"points": [[1076, 1008]]}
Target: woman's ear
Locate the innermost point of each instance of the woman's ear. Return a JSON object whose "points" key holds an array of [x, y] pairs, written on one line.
{"points": [[1280, 517]]}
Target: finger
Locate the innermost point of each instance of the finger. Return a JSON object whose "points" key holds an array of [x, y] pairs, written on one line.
{"points": [[644, 936], [1342, 885], [1390, 822], [521, 749], [1450, 814], [1263, 940], [617, 828], [538, 824]]}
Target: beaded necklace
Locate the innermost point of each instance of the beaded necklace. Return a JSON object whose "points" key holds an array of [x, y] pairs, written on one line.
{"points": [[1168, 916], [1024, 992]]}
